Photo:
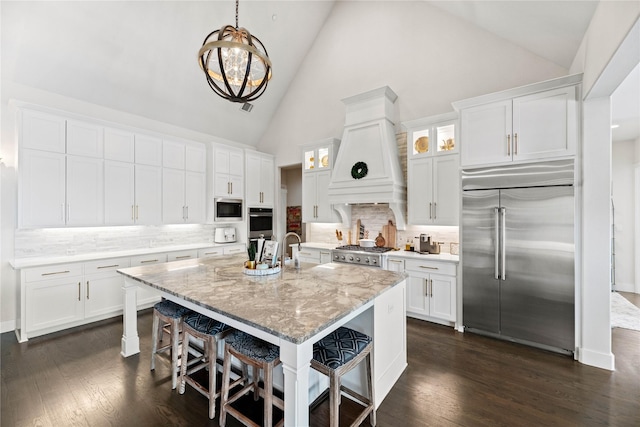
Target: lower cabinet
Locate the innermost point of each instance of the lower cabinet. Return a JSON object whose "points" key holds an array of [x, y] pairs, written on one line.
{"points": [[311, 255], [431, 289], [57, 297]]}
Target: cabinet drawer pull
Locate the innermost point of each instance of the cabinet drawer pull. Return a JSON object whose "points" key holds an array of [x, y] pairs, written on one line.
{"points": [[430, 268], [435, 210], [55, 272], [431, 286], [108, 266], [515, 144], [306, 253], [79, 284], [87, 289], [508, 145], [183, 256], [212, 253], [148, 260]]}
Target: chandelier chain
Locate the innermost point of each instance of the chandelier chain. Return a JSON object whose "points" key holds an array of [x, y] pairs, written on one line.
{"points": [[237, 2]]}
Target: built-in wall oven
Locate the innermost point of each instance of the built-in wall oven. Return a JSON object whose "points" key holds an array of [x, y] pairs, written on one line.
{"points": [[228, 210], [260, 223]]}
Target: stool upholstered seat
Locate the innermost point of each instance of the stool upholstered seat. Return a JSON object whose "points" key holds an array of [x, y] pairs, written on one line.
{"points": [[335, 355], [209, 331], [260, 355], [167, 318]]}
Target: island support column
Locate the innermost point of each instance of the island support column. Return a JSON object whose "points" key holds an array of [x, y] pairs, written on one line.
{"points": [[296, 362], [130, 340]]}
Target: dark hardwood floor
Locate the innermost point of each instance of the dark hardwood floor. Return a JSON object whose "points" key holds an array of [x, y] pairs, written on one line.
{"points": [[78, 378]]}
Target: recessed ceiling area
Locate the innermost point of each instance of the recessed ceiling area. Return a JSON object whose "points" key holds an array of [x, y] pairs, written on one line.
{"points": [[625, 108]]}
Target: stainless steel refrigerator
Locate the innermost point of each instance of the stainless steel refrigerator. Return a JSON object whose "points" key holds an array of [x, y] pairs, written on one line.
{"points": [[518, 253]]}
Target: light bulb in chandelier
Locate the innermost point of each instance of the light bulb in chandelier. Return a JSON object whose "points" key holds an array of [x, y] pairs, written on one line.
{"points": [[236, 64]]}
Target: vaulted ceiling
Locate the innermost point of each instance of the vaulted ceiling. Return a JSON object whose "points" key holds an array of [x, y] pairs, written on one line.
{"points": [[141, 56]]}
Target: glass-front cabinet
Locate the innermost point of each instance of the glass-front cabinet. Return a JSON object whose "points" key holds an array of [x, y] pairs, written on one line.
{"points": [[433, 170], [432, 136], [318, 159]]}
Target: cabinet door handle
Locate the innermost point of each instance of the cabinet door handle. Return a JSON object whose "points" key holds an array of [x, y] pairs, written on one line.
{"points": [[55, 272], [68, 212], [133, 212], [137, 212], [148, 260], [508, 145], [426, 284], [429, 268], [87, 289], [62, 212], [435, 210], [79, 284], [430, 210], [431, 286], [231, 192], [187, 217], [108, 266], [515, 142]]}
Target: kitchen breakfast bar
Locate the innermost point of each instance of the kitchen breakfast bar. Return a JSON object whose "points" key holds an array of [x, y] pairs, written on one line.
{"points": [[292, 309]]}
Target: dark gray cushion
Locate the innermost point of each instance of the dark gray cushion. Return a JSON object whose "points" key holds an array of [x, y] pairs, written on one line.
{"points": [[204, 324], [253, 347], [339, 347], [171, 309]]}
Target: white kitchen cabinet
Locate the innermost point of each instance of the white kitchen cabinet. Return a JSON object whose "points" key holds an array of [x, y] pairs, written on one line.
{"points": [[119, 145], [539, 125], [51, 298], [42, 189], [311, 255], [183, 190], [148, 192], [431, 288], [226, 249], [42, 131], [433, 191], [103, 287], [147, 296], [148, 150], [260, 179], [228, 172], [85, 191], [433, 187], [317, 161], [85, 139], [119, 193], [234, 249]]}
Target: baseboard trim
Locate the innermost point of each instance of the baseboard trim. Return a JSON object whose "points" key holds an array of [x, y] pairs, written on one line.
{"points": [[599, 360]]}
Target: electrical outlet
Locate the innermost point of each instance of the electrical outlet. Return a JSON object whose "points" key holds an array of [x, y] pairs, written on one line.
{"points": [[71, 251]]}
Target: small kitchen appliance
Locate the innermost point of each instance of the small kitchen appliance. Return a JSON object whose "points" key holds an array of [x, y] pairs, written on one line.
{"points": [[224, 235], [426, 246]]}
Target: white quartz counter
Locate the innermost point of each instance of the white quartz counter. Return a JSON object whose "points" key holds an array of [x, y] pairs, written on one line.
{"points": [[19, 263], [402, 254]]}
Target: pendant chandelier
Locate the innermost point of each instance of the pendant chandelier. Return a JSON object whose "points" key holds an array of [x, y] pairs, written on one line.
{"points": [[235, 63]]}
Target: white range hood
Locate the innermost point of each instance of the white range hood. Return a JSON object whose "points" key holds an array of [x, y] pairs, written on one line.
{"points": [[369, 139]]}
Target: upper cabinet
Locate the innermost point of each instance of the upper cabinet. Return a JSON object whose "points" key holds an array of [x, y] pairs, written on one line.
{"points": [[260, 169], [433, 184], [183, 182], [530, 123], [317, 163], [228, 172]]}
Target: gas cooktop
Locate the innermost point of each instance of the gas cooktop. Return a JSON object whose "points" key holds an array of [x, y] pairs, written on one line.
{"points": [[357, 248]]}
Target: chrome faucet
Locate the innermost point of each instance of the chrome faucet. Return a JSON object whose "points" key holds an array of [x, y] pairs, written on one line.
{"points": [[284, 243]]}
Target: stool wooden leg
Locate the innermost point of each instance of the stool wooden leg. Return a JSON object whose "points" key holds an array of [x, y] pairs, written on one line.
{"points": [[372, 414], [175, 340], [334, 399], [212, 349], [183, 361], [268, 393], [155, 335], [255, 371], [224, 394]]}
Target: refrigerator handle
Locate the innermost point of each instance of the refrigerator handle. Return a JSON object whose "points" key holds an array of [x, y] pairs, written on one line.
{"points": [[503, 250], [497, 243]]}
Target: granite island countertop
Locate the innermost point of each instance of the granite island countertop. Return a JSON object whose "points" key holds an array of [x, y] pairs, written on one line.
{"points": [[293, 304]]}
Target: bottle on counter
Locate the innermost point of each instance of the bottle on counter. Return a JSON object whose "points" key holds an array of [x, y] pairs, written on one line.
{"points": [[407, 246]]}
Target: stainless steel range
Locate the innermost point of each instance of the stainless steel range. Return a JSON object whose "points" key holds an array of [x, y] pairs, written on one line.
{"points": [[354, 254]]}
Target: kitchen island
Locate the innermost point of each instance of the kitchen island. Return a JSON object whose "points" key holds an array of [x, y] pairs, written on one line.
{"points": [[292, 309]]}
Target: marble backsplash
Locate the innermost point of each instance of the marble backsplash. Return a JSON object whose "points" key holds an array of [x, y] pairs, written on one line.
{"points": [[71, 241], [373, 217]]}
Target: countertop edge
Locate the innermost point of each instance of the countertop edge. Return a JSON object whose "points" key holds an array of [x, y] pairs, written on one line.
{"points": [[20, 263], [444, 257]]}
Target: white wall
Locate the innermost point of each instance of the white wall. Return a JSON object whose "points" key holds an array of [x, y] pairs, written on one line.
{"points": [[623, 191], [427, 57]]}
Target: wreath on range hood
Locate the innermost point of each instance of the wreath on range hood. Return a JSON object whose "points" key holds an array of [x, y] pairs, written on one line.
{"points": [[359, 170]]}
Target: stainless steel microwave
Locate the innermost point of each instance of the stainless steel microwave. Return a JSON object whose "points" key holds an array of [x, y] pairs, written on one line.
{"points": [[228, 210]]}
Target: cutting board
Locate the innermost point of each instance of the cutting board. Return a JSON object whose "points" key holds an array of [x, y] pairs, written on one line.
{"points": [[389, 234]]}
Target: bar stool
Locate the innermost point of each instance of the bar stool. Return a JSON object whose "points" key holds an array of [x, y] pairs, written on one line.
{"points": [[258, 354], [167, 318], [335, 355], [210, 331]]}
